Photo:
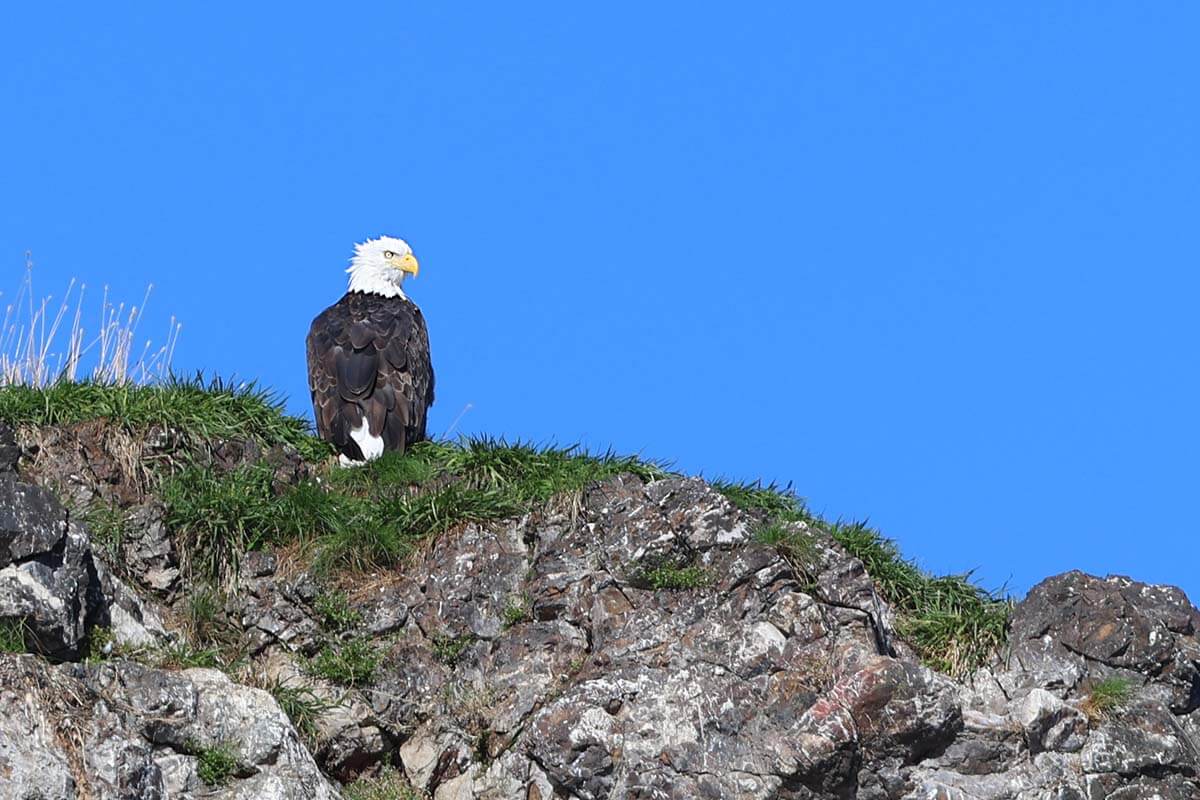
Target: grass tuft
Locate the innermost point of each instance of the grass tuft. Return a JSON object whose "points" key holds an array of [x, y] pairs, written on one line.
{"points": [[101, 645], [303, 707], [450, 649], [672, 573], [336, 612], [769, 502], [1107, 697], [219, 517], [350, 663], [797, 547], [33, 351], [12, 635], [185, 655], [106, 527], [215, 765], [532, 473], [390, 784], [202, 615], [518, 609]]}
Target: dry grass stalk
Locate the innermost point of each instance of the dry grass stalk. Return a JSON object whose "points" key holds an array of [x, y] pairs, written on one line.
{"points": [[29, 355]]}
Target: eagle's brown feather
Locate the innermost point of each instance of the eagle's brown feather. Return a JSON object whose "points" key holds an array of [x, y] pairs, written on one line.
{"points": [[368, 358]]}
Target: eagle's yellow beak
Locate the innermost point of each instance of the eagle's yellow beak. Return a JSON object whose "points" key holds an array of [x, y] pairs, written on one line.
{"points": [[407, 263]]}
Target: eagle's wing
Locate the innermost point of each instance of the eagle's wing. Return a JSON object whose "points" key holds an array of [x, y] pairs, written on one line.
{"points": [[368, 360]]}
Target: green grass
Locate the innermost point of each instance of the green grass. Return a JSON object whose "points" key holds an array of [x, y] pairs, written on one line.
{"points": [[302, 706], [1107, 697], [184, 655], [215, 765], [12, 635], [350, 663], [798, 548], [768, 502], [219, 517], [195, 408], [101, 645], [531, 473], [336, 612], [518, 609], [106, 527], [669, 573], [390, 784], [954, 624], [373, 516], [450, 649], [202, 612]]}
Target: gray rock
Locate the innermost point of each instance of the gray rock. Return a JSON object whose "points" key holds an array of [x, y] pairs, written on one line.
{"points": [[273, 611], [348, 738], [47, 576], [10, 451], [1142, 740], [1049, 723], [149, 550], [123, 731], [1115, 622], [86, 462], [547, 657]]}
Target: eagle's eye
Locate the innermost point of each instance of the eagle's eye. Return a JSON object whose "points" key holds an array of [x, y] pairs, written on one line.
{"points": [[388, 254]]}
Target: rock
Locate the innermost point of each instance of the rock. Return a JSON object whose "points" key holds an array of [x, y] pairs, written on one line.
{"points": [[149, 550], [185, 713], [1116, 622], [1141, 740], [348, 739], [119, 730], [47, 577], [132, 621], [1049, 723], [10, 451], [273, 611], [32, 522], [633, 641], [86, 462]]}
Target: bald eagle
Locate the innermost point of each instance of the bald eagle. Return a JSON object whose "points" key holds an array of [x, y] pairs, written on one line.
{"points": [[368, 358]]}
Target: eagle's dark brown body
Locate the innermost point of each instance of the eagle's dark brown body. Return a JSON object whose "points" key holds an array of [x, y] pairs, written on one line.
{"points": [[368, 359]]}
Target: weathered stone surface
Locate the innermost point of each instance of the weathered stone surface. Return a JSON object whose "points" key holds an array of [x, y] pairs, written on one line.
{"points": [[148, 550], [32, 522], [1049, 723], [10, 451], [348, 739], [124, 731], [546, 658], [88, 461], [1141, 740], [1115, 622], [272, 611], [47, 577]]}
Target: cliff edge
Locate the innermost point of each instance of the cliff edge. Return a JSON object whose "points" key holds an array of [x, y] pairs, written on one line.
{"points": [[212, 611]]}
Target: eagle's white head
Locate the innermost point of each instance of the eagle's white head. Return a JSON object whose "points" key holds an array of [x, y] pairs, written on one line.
{"points": [[379, 266]]}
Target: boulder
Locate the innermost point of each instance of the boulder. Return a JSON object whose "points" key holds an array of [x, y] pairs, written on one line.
{"points": [[1147, 631], [48, 581], [119, 730]]}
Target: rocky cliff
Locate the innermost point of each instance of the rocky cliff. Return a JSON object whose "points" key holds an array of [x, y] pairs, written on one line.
{"points": [[641, 636]]}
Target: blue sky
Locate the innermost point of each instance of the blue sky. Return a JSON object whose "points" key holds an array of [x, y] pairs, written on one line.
{"points": [[935, 265]]}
